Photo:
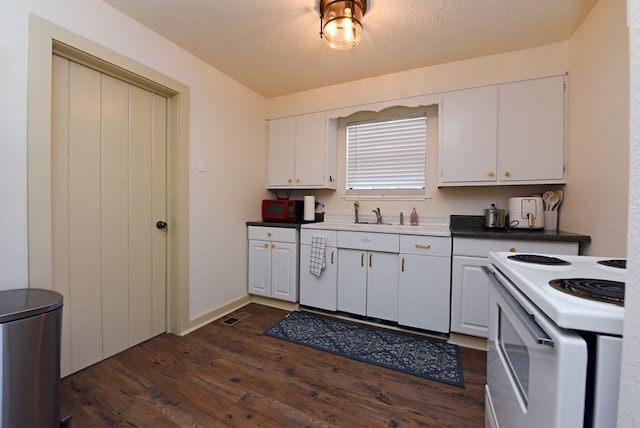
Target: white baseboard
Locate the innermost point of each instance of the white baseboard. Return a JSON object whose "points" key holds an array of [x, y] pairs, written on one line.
{"points": [[218, 313]]}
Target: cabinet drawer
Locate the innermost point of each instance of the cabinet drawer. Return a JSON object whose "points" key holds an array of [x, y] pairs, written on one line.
{"points": [[481, 247], [386, 242], [280, 234], [425, 245], [329, 235]]}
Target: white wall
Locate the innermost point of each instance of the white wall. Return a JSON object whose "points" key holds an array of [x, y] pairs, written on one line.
{"points": [[598, 150], [226, 130], [629, 405]]}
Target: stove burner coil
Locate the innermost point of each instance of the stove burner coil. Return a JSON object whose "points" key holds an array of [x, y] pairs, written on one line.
{"points": [[601, 290], [539, 260], [615, 263]]}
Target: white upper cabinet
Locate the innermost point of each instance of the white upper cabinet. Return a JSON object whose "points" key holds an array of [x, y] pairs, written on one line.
{"points": [[512, 133], [468, 152], [301, 153], [531, 131]]}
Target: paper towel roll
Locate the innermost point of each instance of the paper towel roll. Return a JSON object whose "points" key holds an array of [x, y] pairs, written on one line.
{"points": [[309, 208]]}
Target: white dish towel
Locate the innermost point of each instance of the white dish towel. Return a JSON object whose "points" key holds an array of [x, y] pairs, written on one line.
{"points": [[318, 244]]}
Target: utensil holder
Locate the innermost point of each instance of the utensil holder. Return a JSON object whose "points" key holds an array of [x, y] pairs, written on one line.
{"points": [[551, 220]]}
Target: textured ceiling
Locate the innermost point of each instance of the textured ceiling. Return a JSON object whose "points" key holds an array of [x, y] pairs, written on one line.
{"points": [[273, 46]]}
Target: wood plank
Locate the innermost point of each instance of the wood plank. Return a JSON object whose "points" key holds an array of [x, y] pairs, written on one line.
{"points": [[115, 215], [233, 375], [159, 247], [141, 224], [84, 216], [60, 199]]}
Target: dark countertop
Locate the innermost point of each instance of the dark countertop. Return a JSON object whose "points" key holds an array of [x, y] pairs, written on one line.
{"points": [[472, 226], [292, 225]]}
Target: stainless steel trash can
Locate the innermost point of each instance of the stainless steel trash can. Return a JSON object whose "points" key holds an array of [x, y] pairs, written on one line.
{"points": [[30, 330]]}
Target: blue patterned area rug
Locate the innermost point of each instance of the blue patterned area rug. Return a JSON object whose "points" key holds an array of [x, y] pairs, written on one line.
{"points": [[422, 356]]}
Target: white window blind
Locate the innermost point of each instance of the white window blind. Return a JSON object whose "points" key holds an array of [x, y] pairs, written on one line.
{"points": [[389, 154]]}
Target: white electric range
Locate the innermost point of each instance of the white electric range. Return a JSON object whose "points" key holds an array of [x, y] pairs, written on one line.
{"points": [[554, 350]]}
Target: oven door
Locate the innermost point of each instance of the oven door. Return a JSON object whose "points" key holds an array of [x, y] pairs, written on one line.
{"points": [[536, 371]]}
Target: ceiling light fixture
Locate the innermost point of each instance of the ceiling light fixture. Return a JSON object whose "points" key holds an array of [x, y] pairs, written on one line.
{"points": [[341, 22]]}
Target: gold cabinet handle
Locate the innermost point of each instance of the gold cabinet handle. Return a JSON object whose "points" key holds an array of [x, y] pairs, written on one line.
{"points": [[273, 245], [332, 253], [362, 259], [512, 249], [491, 174], [423, 246], [269, 234], [289, 180], [297, 180], [370, 260], [266, 245], [403, 264], [507, 174]]}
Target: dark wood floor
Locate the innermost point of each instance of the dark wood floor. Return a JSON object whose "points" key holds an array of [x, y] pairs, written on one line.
{"points": [[224, 375]]}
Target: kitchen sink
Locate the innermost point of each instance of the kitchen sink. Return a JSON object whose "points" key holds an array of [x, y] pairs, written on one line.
{"points": [[427, 229]]}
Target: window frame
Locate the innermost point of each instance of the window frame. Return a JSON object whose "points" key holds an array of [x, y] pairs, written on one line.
{"points": [[392, 113]]}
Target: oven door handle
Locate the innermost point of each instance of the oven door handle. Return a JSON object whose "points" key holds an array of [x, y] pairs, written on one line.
{"points": [[526, 319]]}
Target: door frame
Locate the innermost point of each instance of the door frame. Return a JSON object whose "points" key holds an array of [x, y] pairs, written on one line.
{"points": [[44, 38]]}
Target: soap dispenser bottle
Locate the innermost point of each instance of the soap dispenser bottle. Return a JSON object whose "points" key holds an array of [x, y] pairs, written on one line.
{"points": [[414, 217]]}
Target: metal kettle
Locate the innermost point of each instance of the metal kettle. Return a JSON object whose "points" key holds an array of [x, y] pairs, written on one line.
{"points": [[495, 218]]}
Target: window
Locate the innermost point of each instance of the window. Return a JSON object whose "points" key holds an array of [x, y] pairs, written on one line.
{"points": [[386, 157]]}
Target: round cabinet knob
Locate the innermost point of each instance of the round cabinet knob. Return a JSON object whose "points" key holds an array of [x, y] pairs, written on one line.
{"points": [[266, 245], [507, 174], [297, 180], [269, 234], [161, 224], [512, 249], [289, 181], [491, 173]]}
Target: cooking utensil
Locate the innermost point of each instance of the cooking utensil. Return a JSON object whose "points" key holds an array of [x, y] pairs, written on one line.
{"points": [[560, 194], [495, 218], [546, 200]]}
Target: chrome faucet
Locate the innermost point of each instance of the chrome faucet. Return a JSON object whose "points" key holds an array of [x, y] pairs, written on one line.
{"points": [[356, 205], [378, 215]]}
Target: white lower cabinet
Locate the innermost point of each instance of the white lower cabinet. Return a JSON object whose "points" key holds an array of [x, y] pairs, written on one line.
{"points": [[470, 286], [368, 283], [273, 262], [403, 278], [470, 296], [368, 274], [319, 291], [424, 282]]}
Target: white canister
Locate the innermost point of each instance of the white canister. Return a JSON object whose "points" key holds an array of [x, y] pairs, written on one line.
{"points": [[309, 208]]}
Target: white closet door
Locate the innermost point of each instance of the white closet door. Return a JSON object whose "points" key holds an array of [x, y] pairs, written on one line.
{"points": [[109, 189]]}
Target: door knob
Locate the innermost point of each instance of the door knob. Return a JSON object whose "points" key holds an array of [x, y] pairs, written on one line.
{"points": [[161, 225]]}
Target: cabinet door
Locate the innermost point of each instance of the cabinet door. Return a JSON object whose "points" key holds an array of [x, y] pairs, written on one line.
{"points": [[469, 296], [468, 144], [352, 281], [382, 285], [310, 150], [281, 152], [531, 130], [284, 271], [259, 268], [319, 291], [424, 292]]}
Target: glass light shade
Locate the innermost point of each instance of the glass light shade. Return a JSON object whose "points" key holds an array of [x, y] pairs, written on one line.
{"points": [[342, 22]]}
